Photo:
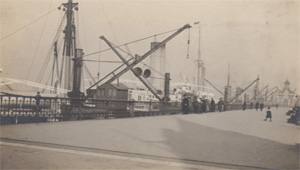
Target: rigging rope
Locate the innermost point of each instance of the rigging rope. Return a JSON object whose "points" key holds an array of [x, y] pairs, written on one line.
{"points": [[27, 25], [17, 51], [188, 44], [133, 57], [98, 74], [103, 9], [38, 42], [89, 74], [102, 61], [77, 32], [46, 61], [129, 43]]}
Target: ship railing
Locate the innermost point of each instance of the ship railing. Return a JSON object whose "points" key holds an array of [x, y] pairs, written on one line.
{"points": [[29, 109]]}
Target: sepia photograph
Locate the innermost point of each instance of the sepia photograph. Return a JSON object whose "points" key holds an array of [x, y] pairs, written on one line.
{"points": [[150, 84]]}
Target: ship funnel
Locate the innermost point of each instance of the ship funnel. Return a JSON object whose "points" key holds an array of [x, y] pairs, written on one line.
{"points": [[147, 73], [138, 71]]}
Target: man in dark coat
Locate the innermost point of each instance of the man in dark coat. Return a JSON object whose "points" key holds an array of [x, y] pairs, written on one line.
{"points": [[220, 104], [244, 106], [256, 105], [185, 105], [204, 105], [37, 101], [212, 105], [261, 106], [195, 105]]}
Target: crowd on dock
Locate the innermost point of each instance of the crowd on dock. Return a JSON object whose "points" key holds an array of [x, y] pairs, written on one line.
{"points": [[193, 104]]}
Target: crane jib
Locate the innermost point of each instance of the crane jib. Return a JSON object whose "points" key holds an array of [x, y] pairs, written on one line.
{"points": [[141, 58]]}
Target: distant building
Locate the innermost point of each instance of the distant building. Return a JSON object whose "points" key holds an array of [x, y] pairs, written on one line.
{"points": [[112, 92], [286, 96]]}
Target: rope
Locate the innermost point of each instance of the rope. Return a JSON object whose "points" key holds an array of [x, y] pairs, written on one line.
{"points": [[27, 25], [133, 57], [108, 21], [98, 74], [13, 59], [188, 44], [46, 61], [129, 43], [102, 61], [38, 42], [77, 32]]}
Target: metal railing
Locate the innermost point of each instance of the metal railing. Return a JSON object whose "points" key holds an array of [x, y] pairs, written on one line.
{"points": [[29, 109]]}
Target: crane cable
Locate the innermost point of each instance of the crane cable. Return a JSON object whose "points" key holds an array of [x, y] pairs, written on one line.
{"points": [[188, 44], [133, 57]]}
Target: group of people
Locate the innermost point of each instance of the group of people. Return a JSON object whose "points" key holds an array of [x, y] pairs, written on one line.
{"points": [[200, 105], [257, 106]]}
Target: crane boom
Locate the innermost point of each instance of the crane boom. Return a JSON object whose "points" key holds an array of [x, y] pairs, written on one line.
{"points": [[213, 86], [272, 92], [262, 90], [141, 58], [149, 86], [244, 90]]}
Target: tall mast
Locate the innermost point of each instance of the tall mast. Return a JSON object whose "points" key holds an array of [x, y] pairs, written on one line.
{"points": [[228, 79], [227, 87], [69, 42], [200, 78]]}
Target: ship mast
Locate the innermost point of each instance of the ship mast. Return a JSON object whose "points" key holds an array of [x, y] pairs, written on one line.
{"points": [[200, 64], [69, 42]]}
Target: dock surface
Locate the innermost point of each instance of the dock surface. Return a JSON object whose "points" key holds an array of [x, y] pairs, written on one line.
{"points": [[220, 140]]}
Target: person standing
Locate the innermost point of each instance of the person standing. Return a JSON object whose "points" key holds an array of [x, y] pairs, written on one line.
{"points": [[261, 106], [269, 114], [37, 101], [185, 105], [195, 105], [212, 105], [256, 106], [244, 106], [204, 105], [277, 105], [220, 104]]}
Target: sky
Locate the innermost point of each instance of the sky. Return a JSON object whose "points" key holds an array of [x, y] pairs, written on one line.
{"points": [[253, 37]]}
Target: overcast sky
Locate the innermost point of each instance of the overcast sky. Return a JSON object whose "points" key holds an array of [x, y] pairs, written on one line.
{"points": [[254, 37]]}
